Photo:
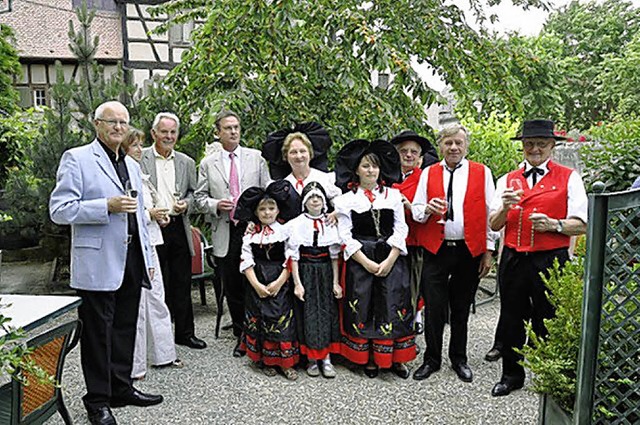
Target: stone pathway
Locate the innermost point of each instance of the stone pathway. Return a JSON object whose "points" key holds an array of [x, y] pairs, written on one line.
{"points": [[215, 388]]}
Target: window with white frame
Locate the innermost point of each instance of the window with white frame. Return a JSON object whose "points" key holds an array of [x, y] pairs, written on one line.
{"points": [[39, 96]]}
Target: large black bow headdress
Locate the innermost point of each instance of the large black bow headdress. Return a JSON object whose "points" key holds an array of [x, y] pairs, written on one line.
{"points": [[349, 157], [272, 148], [281, 191]]}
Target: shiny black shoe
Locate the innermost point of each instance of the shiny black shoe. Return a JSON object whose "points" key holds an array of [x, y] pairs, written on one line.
{"points": [[503, 388], [463, 371], [101, 416], [424, 371], [401, 370], [238, 351], [192, 342], [137, 398], [371, 372], [493, 355]]}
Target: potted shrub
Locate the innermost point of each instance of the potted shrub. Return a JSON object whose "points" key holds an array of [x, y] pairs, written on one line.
{"points": [[553, 360]]}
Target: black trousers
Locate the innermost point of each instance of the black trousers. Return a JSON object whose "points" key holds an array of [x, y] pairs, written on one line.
{"points": [[175, 262], [229, 271], [523, 297], [449, 283], [108, 336]]}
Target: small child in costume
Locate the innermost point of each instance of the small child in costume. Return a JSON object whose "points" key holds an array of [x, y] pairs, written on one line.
{"points": [[314, 247], [269, 328]]}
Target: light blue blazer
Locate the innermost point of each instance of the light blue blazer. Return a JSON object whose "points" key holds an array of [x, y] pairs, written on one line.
{"points": [[86, 179]]}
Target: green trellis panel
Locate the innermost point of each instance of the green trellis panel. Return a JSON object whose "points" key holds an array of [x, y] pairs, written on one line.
{"points": [[609, 363]]}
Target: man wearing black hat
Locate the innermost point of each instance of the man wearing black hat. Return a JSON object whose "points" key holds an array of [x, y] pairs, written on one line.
{"points": [[416, 153], [539, 206], [452, 198]]}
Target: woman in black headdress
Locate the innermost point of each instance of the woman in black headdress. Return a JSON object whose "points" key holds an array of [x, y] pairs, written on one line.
{"points": [[299, 155], [269, 336], [377, 313]]}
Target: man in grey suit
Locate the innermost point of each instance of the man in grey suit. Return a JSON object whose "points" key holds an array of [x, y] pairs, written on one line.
{"points": [[96, 193], [223, 176], [174, 176]]}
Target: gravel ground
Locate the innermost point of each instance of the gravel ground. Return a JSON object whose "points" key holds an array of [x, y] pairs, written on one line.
{"points": [[215, 388]]}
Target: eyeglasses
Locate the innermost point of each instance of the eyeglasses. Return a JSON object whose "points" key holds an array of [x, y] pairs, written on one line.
{"points": [[542, 144], [113, 123]]}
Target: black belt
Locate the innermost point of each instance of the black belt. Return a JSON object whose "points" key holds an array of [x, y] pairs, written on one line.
{"points": [[454, 242]]}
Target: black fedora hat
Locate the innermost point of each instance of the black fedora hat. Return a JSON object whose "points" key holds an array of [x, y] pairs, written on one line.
{"points": [[405, 135], [538, 128]]}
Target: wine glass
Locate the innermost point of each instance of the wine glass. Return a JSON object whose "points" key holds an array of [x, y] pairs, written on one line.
{"points": [[130, 191], [516, 186], [176, 199], [443, 211]]}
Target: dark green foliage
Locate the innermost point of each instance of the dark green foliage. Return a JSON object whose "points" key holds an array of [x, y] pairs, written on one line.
{"points": [[9, 68], [554, 359], [491, 143], [281, 62], [614, 158]]}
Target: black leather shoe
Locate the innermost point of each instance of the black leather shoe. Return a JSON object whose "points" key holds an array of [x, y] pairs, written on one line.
{"points": [[101, 416], [192, 342], [463, 371], [137, 398], [401, 370], [419, 328], [371, 372], [424, 371], [503, 388], [493, 355], [237, 351]]}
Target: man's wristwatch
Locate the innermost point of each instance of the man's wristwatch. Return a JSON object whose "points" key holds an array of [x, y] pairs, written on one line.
{"points": [[559, 226]]}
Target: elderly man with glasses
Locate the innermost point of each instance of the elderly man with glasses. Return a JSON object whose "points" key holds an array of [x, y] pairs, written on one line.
{"points": [[96, 193], [540, 206]]}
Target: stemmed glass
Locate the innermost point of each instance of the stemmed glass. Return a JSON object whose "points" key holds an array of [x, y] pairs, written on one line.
{"points": [[176, 198], [443, 211], [516, 186], [130, 191]]}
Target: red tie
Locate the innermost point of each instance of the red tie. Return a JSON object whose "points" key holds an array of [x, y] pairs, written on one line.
{"points": [[299, 184]]}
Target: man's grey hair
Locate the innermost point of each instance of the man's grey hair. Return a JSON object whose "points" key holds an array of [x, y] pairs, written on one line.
{"points": [[99, 112], [167, 115], [450, 131], [225, 113]]}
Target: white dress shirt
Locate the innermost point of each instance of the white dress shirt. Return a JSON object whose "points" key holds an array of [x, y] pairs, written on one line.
{"points": [[226, 162], [326, 180], [273, 233], [166, 176], [454, 230], [301, 232]]}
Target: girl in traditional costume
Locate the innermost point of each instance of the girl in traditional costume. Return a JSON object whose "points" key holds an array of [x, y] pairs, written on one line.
{"points": [[377, 313], [269, 336], [314, 247]]}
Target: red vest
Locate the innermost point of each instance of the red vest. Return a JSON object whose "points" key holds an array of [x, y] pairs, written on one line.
{"points": [[549, 196], [417, 231], [474, 206]]}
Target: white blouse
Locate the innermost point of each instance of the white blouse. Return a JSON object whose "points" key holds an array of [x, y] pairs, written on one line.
{"points": [[275, 232], [358, 202], [301, 230], [327, 180]]}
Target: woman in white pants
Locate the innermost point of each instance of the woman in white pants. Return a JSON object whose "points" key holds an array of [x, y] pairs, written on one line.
{"points": [[153, 315]]}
